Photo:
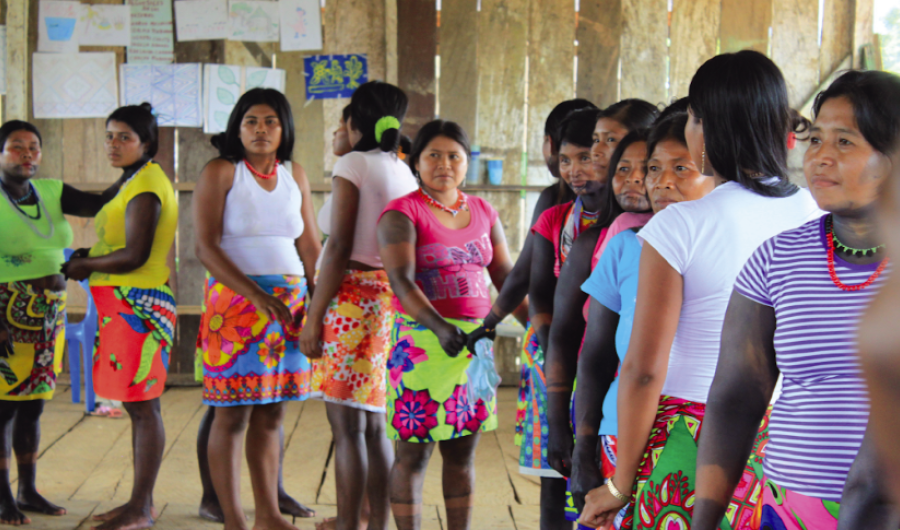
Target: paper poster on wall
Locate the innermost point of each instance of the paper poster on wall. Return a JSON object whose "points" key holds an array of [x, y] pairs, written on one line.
{"points": [[301, 25], [105, 25], [151, 32], [74, 85], [172, 89], [223, 84], [2, 60], [58, 27], [201, 20], [334, 76], [253, 20]]}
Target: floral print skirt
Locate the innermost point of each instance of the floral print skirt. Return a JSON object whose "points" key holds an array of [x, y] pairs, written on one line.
{"points": [[427, 390], [783, 509], [134, 338], [36, 321], [355, 338], [249, 359]]}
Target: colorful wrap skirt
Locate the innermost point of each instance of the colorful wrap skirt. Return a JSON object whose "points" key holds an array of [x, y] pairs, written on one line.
{"points": [[36, 322], [664, 490], [135, 334], [532, 427], [783, 509], [249, 359], [356, 333], [427, 392]]}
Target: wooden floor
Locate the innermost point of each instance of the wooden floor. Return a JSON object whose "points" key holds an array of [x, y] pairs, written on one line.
{"points": [[85, 465]]}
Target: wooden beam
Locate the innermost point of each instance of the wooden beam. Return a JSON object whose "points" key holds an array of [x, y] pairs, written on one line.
{"points": [[18, 61], [695, 34], [644, 50], [599, 35], [551, 74], [416, 48], [459, 63], [837, 35], [863, 29], [745, 25], [795, 31]]}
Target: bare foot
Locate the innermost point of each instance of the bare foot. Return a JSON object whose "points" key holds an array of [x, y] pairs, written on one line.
{"points": [[116, 511], [329, 523], [128, 519], [10, 514], [289, 506], [273, 523], [34, 502], [211, 510]]}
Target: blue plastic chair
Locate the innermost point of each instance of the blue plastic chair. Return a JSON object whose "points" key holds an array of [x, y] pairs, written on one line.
{"points": [[80, 339]]}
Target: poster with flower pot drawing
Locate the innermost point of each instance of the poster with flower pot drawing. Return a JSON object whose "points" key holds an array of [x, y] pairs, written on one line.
{"points": [[58, 27], [224, 84], [105, 25]]}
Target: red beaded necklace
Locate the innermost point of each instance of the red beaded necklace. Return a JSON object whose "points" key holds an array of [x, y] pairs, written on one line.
{"points": [[458, 206], [260, 175], [829, 240]]}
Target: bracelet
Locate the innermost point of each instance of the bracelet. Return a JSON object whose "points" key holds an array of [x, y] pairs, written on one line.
{"points": [[615, 491]]}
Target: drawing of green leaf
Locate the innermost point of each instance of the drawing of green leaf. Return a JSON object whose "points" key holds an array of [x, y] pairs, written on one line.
{"points": [[256, 79], [227, 76], [221, 119], [148, 353], [225, 97]]}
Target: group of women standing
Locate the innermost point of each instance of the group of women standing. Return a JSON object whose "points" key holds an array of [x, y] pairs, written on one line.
{"points": [[672, 241]]}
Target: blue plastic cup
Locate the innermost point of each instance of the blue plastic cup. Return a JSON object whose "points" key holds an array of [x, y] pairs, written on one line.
{"points": [[495, 172]]}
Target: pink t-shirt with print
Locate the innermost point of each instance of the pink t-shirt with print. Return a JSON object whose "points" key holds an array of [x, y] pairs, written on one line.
{"points": [[450, 264]]}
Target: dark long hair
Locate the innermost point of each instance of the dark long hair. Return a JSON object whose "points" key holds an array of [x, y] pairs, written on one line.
{"points": [[632, 113], [430, 131], [558, 114], [371, 102], [742, 99], [17, 125], [229, 142], [578, 127], [142, 121], [670, 128], [635, 136], [875, 97]]}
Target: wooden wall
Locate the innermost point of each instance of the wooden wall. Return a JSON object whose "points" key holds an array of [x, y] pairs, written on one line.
{"points": [[498, 73]]}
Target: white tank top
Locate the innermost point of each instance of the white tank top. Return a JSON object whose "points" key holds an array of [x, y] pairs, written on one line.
{"points": [[259, 227]]}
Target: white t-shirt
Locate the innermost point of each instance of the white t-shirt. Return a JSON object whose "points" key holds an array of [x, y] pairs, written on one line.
{"points": [[381, 177], [708, 241]]}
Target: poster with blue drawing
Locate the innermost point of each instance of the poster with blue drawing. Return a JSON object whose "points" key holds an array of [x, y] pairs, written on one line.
{"points": [[58, 26], [334, 76], [223, 84], [172, 89], [301, 25]]}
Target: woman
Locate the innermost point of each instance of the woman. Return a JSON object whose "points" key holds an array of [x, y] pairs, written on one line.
{"points": [[738, 129], [828, 270], [129, 279], [436, 243], [32, 305], [671, 177], [258, 265], [349, 320]]}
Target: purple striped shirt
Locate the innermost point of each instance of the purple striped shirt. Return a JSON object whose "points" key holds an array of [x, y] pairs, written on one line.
{"points": [[818, 422]]}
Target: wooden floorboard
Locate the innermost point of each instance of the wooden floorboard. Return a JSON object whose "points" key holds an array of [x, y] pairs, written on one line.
{"points": [[86, 465]]}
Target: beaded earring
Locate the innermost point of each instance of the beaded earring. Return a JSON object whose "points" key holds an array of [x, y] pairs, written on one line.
{"points": [[703, 162]]}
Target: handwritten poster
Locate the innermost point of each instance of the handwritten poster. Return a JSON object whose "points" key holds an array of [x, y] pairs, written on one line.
{"points": [[172, 89], [224, 84], [105, 25], [253, 20], [201, 20], [2, 59], [74, 85], [301, 25], [58, 29], [334, 76], [151, 32]]}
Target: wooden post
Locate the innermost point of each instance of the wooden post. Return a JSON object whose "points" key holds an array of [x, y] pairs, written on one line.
{"points": [[837, 35], [18, 61], [416, 48], [599, 35], [695, 33], [459, 63], [745, 25], [644, 50], [863, 29], [795, 31]]}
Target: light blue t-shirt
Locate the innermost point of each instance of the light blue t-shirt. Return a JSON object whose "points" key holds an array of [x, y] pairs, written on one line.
{"points": [[614, 283]]}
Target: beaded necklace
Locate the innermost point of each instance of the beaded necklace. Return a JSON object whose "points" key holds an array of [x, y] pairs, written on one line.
{"points": [[26, 217], [461, 203], [263, 175], [830, 241]]}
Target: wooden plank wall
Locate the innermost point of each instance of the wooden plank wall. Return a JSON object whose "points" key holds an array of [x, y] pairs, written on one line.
{"points": [[499, 71]]}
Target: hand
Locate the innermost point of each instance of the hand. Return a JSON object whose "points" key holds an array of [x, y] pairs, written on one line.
{"points": [[6, 342], [80, 253], [479, 334], [586, 475], [452, 339], [76, 269], [601, 508], [559, 448], [311, 339], [273, 308]]}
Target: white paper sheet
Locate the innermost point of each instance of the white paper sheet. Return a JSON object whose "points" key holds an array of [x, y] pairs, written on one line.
{"points": [[172, 89], [301, 25], [58, 26], [74, 85], [151, 32], [253, 20], [105, 25], [224, 84], [201, 20]]}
